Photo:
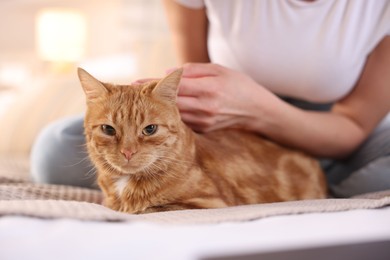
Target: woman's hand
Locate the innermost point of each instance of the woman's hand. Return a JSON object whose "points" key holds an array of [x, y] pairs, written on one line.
{"points": [[212, 97]]}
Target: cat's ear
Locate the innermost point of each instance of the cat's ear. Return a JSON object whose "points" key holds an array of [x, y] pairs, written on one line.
{"points": [[168, 87], [92, 87]]}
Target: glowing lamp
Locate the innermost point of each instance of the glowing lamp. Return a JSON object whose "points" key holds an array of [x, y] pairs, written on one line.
{"points": [[61, 35]]}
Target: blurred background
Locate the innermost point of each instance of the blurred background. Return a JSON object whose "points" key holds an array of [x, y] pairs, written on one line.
{"points": [[42, 42]]}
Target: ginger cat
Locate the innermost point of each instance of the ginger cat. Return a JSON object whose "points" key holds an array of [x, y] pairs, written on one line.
{"points": [[148, 160]]}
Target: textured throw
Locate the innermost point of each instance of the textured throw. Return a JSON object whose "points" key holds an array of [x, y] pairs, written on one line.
{"points": [[18, 196]]}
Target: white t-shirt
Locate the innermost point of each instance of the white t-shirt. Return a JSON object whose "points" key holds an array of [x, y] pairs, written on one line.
{"points": [[314, 51]]}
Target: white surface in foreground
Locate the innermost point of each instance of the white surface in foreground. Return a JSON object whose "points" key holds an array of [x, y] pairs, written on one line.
{"points": [[30, 238]]}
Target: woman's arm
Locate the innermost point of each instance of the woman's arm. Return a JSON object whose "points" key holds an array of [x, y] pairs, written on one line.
{"points": [[351, 120], [213, 97], [189, 31]]}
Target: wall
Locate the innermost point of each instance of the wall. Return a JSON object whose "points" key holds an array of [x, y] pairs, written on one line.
{"points": [[127, 39], [116, 26]]}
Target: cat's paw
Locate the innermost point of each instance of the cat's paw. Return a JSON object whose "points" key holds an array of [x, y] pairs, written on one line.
{"points": [[162, 208], [111, 203]]}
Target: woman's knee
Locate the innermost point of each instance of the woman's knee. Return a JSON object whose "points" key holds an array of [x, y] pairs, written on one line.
{"points": [[367, 170], [375, 176], [59, 156]]}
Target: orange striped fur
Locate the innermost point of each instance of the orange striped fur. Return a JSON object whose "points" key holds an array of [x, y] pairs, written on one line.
{"points": [[176, 168]]}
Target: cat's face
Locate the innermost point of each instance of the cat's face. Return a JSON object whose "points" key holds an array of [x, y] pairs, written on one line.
{"points": [[131, 129]]}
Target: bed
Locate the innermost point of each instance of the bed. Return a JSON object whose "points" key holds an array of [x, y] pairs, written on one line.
{"points": [[63, 222]]}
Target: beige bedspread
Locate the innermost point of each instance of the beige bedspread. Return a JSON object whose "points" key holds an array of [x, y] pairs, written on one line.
{"points": [[19, 196]]}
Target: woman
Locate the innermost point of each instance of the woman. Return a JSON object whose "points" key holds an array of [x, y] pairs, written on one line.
{"points": [[314, 75]]}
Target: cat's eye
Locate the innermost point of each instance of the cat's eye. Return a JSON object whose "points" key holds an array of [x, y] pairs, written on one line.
{"points": [[108, 130], [149, 130]]}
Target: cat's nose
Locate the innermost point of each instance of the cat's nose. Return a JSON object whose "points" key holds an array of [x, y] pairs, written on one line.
{"points": [[127, 153]]}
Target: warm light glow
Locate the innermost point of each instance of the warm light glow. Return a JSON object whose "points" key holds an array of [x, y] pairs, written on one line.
{"points": [[61, 35]]}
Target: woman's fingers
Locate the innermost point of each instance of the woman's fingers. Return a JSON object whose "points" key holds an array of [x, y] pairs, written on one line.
{"points": [[187, 103], [205, 87], [198, 123], [202, 123], [141, 81], [195, 70], [191, 87], [200, 106]]}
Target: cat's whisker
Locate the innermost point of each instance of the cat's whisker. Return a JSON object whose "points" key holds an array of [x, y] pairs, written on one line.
{"points": [[155, 170], [162, 172], [152, 174], [91, 173], [86, 158], [174, 156], [108, 167], [175, 160], [174, 174], [82, 145]]}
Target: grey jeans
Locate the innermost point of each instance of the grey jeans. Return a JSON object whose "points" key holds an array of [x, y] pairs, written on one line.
{"points": [[59, 157]]}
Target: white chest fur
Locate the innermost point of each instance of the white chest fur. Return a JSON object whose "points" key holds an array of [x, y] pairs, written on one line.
{"points": [[120, 184]]}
